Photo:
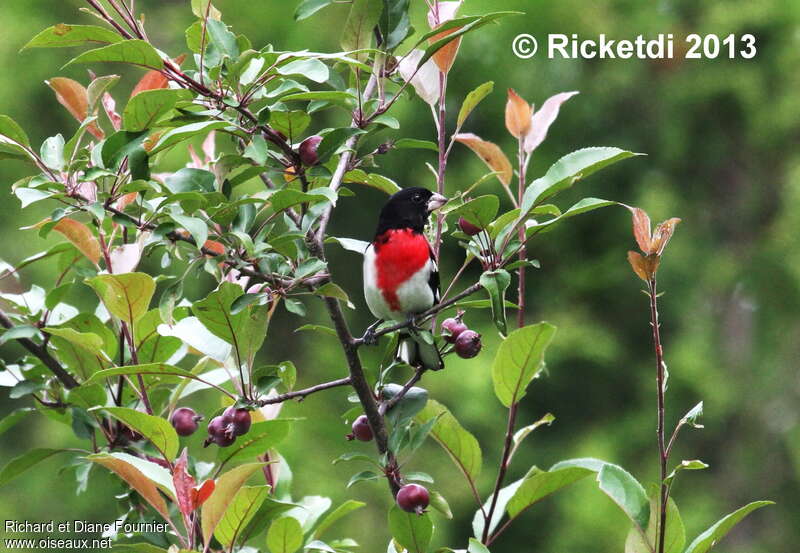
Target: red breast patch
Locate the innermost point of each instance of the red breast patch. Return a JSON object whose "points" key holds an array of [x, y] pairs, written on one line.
{"points": [[399, 254]]}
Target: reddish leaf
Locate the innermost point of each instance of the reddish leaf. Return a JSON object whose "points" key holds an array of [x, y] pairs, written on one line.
{"points": [[152, 80], [81, 237], [184, 485], [490, 153], [641, 230], [542, 119], [214, 246], [73, 96], [446, 56], [518, 115], [662, 235], [126, 200], [202, 492], [110, 106]]}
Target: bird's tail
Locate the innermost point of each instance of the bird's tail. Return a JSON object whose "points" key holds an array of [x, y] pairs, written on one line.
{"points": [[418, 349]]}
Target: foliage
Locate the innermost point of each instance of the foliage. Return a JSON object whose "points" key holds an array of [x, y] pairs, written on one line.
{"points": [[115, 374]]}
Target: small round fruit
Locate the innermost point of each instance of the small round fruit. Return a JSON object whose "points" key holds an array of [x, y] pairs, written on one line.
{"points": [[184, 420], [452, 328], [467, 227], [468, 344], [362, 430], [217, 433], [413, 498], [236, 421], [308, 150]]}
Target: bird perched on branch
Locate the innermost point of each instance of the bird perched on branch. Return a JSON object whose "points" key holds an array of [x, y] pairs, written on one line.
{"points": [[401, 278]]}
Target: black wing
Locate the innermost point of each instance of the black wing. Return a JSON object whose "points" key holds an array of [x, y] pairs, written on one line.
{"points": [[433, 279]]}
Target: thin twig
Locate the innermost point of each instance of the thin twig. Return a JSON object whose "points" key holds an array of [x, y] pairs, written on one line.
{"points": [[501, 473], [301, 394], [386, 405], [662, 450]]}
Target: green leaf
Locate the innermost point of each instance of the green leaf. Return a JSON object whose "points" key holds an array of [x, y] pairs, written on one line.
{"points": [[472, 100], [523, 433], [310, 68], [320, 95], [62, 35], [179, 134], [439, 503], [307, 8], [412, 403], [52, 152], [136, 52], [189, 179], [460, 445], [720, 529], [13, 418], [476, 547], [342, 510], [674, 532], [693, 464], [144, 109], [26, 461], [262, 436], [626, 492], [289, 197], [693, 416], [583, 206], [215, 312], [87, 396], [334, 140], [126, 296], [240, 512], [290, 123], [363, 476], [285, 535], [464, 26], [87, 340], [196, 227], [412, 531], [542, 484], [519, 360], [157, 430], [395, 24], [567, 171], [496, 283], [479, 211], [416, 144], [222, 38], [18, 333], [11, 130], [358, 29], [227, 486], [351, 244], [332, 290], [374, 180]]}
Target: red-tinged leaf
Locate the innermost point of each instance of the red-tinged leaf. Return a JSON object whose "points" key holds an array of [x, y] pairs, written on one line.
{"points": [[202, 492], [638, 265], [73, 96], [151, 141], [425, 80], [214, 246], [81, 237], [126, 200], [490, 153], [662, 235], [542, 119], [152, 80], [110, 106], [136, 480], [184, 485], [446, 56], [518, 115], [641, 230]]}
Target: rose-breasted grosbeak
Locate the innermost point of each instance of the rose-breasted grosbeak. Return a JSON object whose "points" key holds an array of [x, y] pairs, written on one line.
{"points": [[401, 278]]}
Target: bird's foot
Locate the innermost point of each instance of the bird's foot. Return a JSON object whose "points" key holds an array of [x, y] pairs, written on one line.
{"points": [[369, 338]]}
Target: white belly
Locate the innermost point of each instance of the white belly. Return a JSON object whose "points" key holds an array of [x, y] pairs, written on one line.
{"points": [[414, 295]]}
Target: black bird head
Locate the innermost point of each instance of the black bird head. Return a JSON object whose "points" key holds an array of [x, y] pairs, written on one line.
{"points": [[409, 208]]}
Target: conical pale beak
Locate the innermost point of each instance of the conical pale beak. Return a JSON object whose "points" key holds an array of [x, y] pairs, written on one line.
{"points": [[436, 201]]}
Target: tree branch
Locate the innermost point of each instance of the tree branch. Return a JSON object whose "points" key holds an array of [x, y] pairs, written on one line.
{"points": [[44, 356], [301, 394]]}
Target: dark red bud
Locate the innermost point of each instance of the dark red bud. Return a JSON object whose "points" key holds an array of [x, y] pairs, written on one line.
{"points": [[361, 429], [184, 420], [468, 344], [467, 227], [452, 328], [413, 498], [308, 150]]}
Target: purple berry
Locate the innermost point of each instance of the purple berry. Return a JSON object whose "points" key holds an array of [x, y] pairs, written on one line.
{"points": [[468, 344], [361, 429], [452, 328], [236, 421], [217, 433], [184, 420], [308, 150], [467, 227], [413, 498]]}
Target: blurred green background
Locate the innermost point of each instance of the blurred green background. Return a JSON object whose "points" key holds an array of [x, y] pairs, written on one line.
{"points": [[721, 138]]}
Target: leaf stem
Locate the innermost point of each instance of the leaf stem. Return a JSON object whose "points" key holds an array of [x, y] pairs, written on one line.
{"points": [[660, 381], [501, 473], [301, 394]]}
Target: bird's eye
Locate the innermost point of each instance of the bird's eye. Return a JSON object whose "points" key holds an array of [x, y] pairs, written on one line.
{"points": [[416, 198]]}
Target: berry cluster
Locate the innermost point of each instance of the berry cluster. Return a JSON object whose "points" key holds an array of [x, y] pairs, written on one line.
{"points": [[222, 430], [467, 343]]}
